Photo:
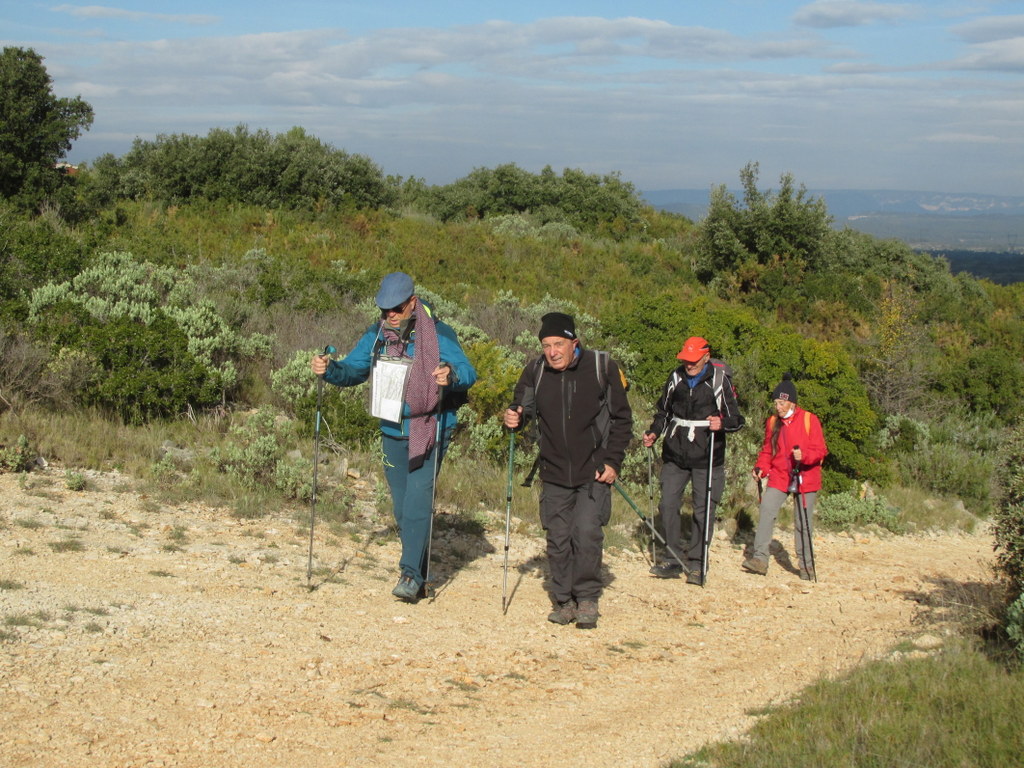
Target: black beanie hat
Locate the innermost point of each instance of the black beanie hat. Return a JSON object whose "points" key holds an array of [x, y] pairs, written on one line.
{"points": [[557, 324], [786, 389]]}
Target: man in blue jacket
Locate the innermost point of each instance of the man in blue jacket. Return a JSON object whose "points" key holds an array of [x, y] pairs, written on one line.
{"points": [[411, 353]]}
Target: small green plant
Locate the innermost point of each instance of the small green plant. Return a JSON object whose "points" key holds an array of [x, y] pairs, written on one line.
{"points": [[162, 574], [74, 481], [10, 584], [34, 619], [67, 545], [28, 522]]}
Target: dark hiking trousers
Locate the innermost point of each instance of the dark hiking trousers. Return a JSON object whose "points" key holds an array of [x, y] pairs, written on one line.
{"points": [[673, 483], [573, 519]]}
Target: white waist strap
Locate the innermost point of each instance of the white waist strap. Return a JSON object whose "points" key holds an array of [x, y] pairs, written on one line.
{"points": [[687, 424]]}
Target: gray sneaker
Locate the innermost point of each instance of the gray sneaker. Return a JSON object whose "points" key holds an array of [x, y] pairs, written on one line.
{"points": [[807, 574], [586, 614], [756, 565], [564, 613], [407, 589]]}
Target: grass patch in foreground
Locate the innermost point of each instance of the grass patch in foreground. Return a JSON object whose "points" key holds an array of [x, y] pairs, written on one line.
{"points": [[957, 708]]}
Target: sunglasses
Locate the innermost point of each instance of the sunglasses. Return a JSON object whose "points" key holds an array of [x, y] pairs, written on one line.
{"points": [[396, 310]]}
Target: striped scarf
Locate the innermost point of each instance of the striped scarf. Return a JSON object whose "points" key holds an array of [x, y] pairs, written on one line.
{"points": [[421, 392]]}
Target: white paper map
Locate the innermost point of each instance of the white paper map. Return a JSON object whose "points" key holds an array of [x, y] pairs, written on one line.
{"points": [[387, 387]]}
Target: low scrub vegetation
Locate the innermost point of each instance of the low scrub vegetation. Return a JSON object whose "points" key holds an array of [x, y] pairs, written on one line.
{"points": [[956, 707]]}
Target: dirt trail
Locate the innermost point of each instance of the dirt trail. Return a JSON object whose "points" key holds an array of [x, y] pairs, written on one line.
{"points": [[183, 637]]}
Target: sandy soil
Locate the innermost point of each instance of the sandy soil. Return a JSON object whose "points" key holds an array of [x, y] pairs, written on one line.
{"points": [[184, 637]]}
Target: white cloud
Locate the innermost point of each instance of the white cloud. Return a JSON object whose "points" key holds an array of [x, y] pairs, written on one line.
{"points": [[991, 29], [668, 105], [828, 14], [997, 56], [106, 12], [962, 138]]}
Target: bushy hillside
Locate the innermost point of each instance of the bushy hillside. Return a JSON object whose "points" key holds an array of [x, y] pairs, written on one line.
{"points": [[183, 293]]}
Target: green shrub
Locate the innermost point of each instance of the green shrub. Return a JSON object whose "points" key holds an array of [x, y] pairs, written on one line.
{"points": [[956, 708], [152, 343], [1009, 517], [256, 455], [252, 450], [345, 418], [1015, 624], [842, 511], [74, 481], [17, 457], [293, 477]]}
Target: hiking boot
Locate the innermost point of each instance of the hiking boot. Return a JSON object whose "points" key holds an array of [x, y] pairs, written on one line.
{"points": [[668, 570], [407, 589], [564, 613], [756, 565], [807, 574], [586, 614]]}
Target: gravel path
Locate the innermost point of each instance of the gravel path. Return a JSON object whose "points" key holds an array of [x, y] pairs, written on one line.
{"points": [[184, 637]]}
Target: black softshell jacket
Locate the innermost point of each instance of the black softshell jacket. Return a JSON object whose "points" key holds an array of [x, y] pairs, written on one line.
{"points": [[680, 401], [568, 405]]}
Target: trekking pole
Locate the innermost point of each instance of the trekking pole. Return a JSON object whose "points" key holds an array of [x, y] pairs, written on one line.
{"points": [[650, 524], [805, 523], [650, 497], [328, 351], [508, 517], [433, 486], [709, 519]]}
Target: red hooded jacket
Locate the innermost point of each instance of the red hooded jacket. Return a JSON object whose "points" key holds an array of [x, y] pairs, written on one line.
{"points": [[801, 430]]}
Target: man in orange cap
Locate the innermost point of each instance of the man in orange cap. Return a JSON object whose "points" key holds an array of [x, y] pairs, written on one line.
{"points": [[697, 407]]}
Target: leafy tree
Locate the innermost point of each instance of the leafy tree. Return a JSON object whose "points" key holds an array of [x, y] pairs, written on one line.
{"points": [[589, 202], [36, 127], [893, 365], [289, 170], [785, 231]]}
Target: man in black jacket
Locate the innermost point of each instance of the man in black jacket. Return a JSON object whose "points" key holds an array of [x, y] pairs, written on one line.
{"points": [[585, 423], [697, 401]]}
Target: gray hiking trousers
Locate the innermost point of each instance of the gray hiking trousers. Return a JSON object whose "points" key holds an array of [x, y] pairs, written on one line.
{"points": [[771, 503], [673, 483]]}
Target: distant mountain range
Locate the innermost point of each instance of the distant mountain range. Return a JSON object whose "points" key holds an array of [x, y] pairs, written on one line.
{"points": [[933, 221]]}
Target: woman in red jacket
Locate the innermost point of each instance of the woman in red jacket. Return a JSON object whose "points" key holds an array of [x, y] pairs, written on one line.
{"points": [[790, 458]]}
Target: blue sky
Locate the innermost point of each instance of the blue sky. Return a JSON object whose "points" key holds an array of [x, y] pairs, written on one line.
{"points": [[842, 94]]}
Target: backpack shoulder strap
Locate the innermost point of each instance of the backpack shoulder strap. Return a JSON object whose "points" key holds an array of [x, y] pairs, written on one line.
{"points": [[601, 370], [721, 373]]}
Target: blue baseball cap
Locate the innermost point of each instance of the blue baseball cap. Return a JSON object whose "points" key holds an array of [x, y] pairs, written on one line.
{"points": [[395, 289]]}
